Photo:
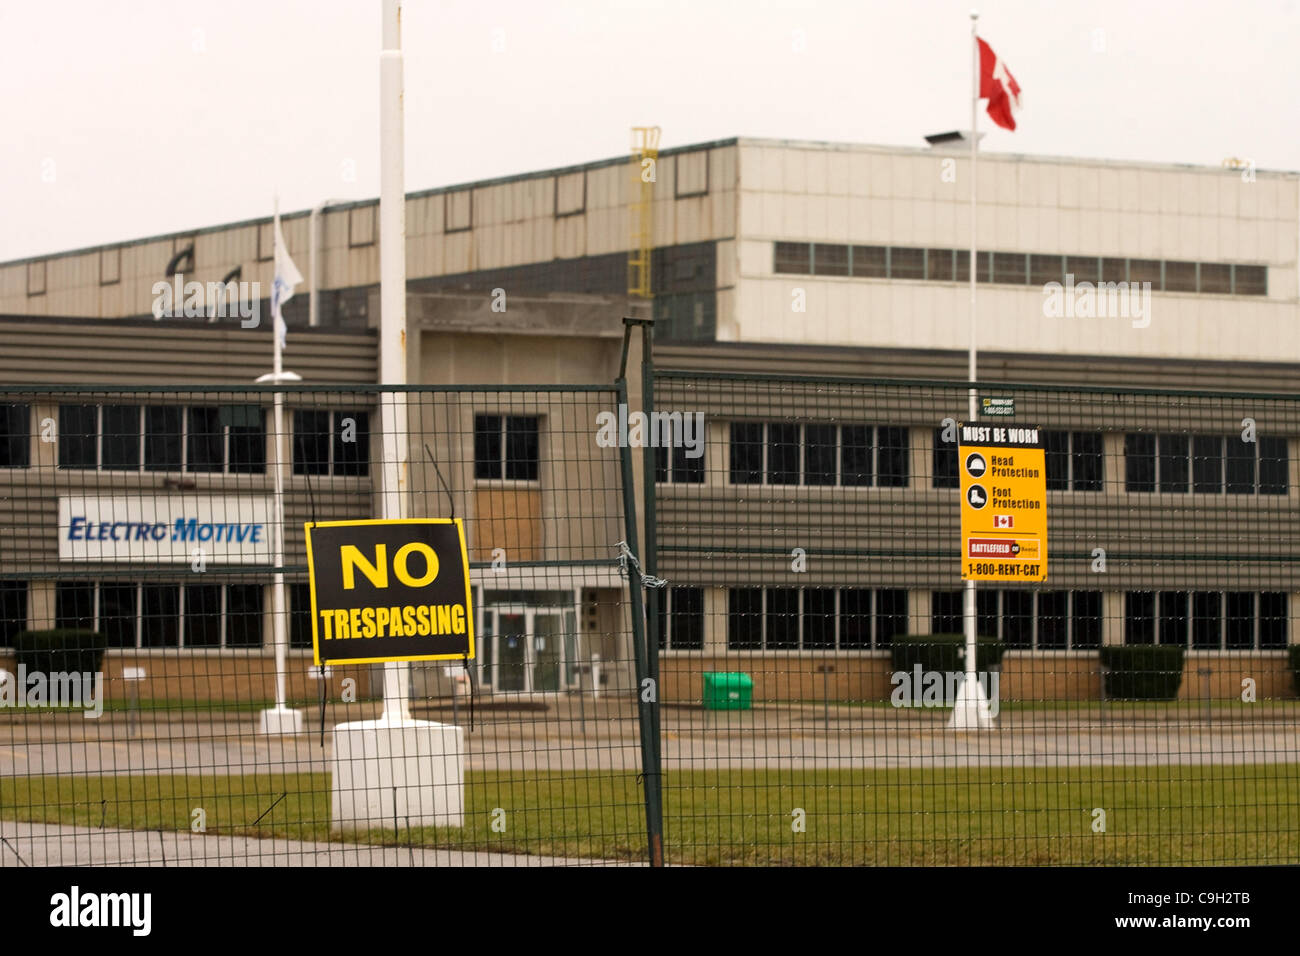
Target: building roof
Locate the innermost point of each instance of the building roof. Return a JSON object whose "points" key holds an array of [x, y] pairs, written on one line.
{"points": [[742, 141]]}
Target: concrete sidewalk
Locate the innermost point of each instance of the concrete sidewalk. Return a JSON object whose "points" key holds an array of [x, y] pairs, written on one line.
{"points": [[42, 844]]}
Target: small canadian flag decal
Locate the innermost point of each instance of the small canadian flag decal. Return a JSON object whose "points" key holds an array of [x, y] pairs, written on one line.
{"points": [[1003, 521]]}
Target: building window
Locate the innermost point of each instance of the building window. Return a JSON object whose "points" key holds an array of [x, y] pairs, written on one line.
{"points": [[681, 619], [299, 615], [906, 263], [821, 453], [793, 257], [1216, 279], [331, 443], [244, 615], [1250, 280], [685, 469], [506, 446], [1024, 620], [946, 612], [162, 438], [361, 226], [74, 605], [120, 437], [1207, 620], [785, 453], [1015, 268], [1180, 276], [815, 619], [745, 619], [1074, 460], [830, 260], [202, 622], [160, 609], [869, 262], [1205, 464], [36, 278], [1012, 268], [945, 460], [13, 610], [15, 436], [891, 457], [118, 614]]}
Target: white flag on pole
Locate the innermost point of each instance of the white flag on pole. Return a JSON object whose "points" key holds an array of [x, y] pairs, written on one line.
{"points": [[286, 277]]}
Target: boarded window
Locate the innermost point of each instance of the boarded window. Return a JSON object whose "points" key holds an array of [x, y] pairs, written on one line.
{"points": [[692, 174], [570, 194]]}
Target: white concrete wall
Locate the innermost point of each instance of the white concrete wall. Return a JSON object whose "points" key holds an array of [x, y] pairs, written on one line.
{"points": [[872, 196]]}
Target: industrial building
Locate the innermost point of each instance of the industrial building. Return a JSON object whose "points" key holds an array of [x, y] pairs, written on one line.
{"points": [[796, 288]]}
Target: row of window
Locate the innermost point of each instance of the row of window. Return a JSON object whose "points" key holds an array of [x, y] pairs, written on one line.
{"points": [[1205, 464], [150, 615], [814, 619], [1074, 460], [1015, 268], [778, 453], [1208, 620], [231, 439], [133, 615], [199, 439], [1025, 620], [154, 615]]}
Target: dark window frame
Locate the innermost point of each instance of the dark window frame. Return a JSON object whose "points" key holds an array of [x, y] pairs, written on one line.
{"points": [[506, 461]]}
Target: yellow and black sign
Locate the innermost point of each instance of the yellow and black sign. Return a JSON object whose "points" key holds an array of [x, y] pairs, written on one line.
{"points": [[1003, 503], [389, 591]]}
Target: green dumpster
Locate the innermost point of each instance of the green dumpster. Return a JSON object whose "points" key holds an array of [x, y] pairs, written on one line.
{"points": [[728, 691]]}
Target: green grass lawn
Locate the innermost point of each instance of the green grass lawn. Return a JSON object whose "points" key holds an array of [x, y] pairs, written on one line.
{"points": [[1154, 814], [1282, 705]]}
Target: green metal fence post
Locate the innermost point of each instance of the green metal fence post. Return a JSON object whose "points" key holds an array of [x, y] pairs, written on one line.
{"points": [[653, 595], [647, 696]]}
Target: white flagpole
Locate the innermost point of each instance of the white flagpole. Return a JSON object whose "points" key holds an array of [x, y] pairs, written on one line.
{"points": [[392, 314], [278, 720], [971, 707], [277, 597]]}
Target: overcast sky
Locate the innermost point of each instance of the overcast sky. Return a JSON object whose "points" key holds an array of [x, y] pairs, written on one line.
{"points": [[131, 119]]}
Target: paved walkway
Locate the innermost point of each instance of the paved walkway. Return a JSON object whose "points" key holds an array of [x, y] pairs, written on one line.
{"points": [[41, 844]]}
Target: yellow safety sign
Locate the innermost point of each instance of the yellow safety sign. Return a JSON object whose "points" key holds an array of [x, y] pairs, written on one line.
{"points": [[1003, 503]]}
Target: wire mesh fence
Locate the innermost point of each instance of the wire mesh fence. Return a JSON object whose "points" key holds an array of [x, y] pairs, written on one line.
{"points": [[137, 575], [1144, 694], [783, 698]]}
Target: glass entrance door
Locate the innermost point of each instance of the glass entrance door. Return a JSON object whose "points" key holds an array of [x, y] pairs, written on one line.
{"points": [[527, 650], [511, 652], [547, 650]]}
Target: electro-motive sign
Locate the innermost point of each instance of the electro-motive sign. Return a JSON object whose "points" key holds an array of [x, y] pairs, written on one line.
{"points": [[389, 591], [1003, 503], [167, 529]]}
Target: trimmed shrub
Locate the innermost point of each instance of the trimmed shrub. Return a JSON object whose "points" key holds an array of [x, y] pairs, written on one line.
{"points": [[1293, 655], [63, 650], [943, 652], [1142, 671]]}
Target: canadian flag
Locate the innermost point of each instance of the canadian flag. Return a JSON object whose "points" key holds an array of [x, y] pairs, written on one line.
{"points": [[999, 87], [1003, 521]]}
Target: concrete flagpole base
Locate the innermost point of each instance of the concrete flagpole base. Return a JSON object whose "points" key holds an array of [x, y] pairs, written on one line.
{"points": [[279, 720], [403, 772], [971, 709]]}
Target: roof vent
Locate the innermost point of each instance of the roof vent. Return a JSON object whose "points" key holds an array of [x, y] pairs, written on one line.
{"points": [[952, 140]]}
